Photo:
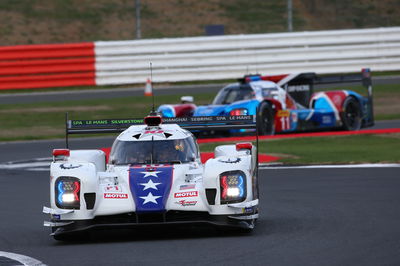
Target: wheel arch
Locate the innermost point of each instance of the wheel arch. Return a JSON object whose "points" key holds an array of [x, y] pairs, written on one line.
{"points": [[346, 123], [357, 97]]}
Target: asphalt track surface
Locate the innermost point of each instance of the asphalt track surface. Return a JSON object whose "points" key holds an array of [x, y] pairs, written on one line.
{"points": [[307, 217], [73, 95], [327, 216]]}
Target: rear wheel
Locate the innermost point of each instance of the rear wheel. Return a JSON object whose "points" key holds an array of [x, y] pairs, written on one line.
{"points": [[351, 116], [265, 118]]}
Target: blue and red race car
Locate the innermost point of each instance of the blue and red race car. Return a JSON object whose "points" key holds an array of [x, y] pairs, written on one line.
{"points": [[288, 103]]}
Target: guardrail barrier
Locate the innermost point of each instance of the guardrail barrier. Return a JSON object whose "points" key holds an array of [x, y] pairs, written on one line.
{"points": [[199, 58]]}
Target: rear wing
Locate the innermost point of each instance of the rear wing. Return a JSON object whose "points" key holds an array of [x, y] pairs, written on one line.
{"points": [[188, 123], [301, 86]]}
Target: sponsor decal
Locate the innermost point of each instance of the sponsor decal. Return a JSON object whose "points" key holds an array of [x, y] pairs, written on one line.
{"points": [[187, 202], [248, 210], [230, 160], [106, 122], [56, 216], [126, 121], [204, 118], [153, 132], [159, 133], [175, 119], [240, 117], [283, 113], [326, 120], [170, 120], [298, 88], [69, 166], [112, 188], [115, 196], [186, 194], [190, 186]]}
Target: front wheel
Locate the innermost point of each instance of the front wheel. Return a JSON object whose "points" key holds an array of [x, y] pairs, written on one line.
{"points": [[351, 116], [265, 116]]}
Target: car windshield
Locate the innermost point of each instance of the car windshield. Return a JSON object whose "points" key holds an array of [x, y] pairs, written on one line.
{"points": [[154, 152], [235, 93], [269, 92]]}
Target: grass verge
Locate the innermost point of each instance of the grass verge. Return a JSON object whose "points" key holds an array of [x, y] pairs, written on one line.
{"points": [[331, 150], [46, 120]]}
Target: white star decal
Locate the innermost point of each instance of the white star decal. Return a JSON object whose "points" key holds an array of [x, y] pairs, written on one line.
{"points": [[150, 198], [152, 173], [150, 184]]}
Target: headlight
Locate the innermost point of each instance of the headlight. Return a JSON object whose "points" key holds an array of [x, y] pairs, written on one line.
{"points": [[67, 192], [241, 111], [233, 187]]}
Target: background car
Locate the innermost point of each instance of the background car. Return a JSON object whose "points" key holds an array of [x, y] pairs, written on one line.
{"points": [[288, 103]]}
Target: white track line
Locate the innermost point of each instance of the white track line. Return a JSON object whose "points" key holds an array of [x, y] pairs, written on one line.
{"points": [[25, 260], [24, 165]]}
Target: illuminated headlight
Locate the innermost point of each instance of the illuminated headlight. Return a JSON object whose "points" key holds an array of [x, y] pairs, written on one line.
{"points": [[240, 111], [233, 187], [67, 192], [233, 192], [68, 198]]}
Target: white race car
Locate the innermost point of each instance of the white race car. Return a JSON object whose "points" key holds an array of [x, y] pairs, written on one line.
{"points": [[153, 176]]}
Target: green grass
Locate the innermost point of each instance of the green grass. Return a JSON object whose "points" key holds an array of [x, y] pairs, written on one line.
{"points": [[46, 120], [378, 90], [88, 20], [387, 116], [63, 11], [336, 150], [63, 89]]}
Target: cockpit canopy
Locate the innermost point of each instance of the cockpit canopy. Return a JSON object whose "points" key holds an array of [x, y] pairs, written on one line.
{"points": [[234, 93], [154, 152], [240, 92]]}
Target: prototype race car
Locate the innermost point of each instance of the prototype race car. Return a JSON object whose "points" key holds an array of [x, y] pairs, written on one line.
{"points": [[287, 103], [153, 176]]}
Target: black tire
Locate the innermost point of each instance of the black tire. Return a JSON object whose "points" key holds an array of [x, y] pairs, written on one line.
{"points": [[265, 116], [351, 115]]}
